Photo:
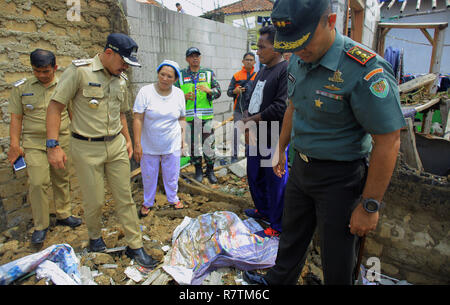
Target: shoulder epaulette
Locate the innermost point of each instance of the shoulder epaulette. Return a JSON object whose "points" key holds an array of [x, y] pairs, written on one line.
{"points": [[360, 54], [19, 82], [81, 62], [124, 76]]}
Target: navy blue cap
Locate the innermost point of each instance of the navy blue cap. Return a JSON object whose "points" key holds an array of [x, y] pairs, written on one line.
{"points": [[192, 50], [125, 46], [295, 22]]}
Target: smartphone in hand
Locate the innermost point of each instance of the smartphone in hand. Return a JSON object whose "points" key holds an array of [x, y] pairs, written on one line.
{"points": [[19, 164]]}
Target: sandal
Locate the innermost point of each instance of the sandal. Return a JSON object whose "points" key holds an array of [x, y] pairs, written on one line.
{"points": [[178, 205], [142, 215]]}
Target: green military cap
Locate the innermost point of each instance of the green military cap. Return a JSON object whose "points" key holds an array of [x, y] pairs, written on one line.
{"points": [[296, 22]]}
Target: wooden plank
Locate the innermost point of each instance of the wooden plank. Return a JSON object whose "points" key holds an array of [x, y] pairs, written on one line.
{"points": [[391, 4], [444, 107], [434, 25], [436, 57], [417, 83], [447, 128], [408, 146], [427, 122], [427, 104], [427, 35], [403, 6]]}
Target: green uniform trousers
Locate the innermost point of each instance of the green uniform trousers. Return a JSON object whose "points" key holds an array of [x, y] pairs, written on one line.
{"points": [[40, 176], [93, 161]]}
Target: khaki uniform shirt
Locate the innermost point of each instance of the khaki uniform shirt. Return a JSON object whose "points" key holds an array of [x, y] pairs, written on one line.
{"points": [[97, 98], [30, 99]]}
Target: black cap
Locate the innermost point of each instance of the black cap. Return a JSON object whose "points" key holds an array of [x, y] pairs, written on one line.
{"points": [[125, 46], [192, 50], [296, 22]]}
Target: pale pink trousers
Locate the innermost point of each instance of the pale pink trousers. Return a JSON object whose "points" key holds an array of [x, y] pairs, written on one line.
{"points": [[170, 165]]}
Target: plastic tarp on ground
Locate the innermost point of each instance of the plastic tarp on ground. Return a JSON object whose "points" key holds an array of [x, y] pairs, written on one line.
{"points": [[58, 263], [214, 240]]}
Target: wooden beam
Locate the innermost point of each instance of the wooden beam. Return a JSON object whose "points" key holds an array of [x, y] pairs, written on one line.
{"points": [[381, 40], [427, 122], [447, 128], [357, 4], [408, 146], [433, 4], [403, 6], [428, 36], [427, 104], [436, 55], [391, 4], [417, 83], [439, 25]]}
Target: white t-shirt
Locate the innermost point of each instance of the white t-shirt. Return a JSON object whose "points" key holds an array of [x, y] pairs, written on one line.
{"points": [[161, 131]]}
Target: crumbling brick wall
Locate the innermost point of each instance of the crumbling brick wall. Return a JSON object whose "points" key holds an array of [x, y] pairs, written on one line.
{"points": [[53, 25]]}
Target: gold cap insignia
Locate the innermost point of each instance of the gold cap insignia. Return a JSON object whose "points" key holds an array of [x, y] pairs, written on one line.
{"points": [[289, 45]]}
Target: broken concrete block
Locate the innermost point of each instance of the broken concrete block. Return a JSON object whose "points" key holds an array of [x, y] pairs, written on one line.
{"points": [[239, 168]]}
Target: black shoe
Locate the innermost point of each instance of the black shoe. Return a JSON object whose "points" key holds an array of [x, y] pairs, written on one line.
{"points": [[198, 173], [254, 278], [141, 215], [69, 221], [97, 245], [210, 174], [38, 236], [141, 257]]}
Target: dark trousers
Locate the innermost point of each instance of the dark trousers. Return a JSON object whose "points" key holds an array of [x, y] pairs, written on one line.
{"points": [[322, 195], [203, 134], [267, 189]]}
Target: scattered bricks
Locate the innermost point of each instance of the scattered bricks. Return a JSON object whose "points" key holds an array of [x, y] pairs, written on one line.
{"points": [[6, 174], [17, 186], [20, 216], [14, 203]]}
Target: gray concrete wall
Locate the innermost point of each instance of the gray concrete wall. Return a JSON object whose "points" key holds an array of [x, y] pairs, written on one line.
{"points": [[416, 47], [165, 34]]}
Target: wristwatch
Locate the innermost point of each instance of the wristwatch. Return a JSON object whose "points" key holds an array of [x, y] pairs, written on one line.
{"points": [[371, 205], [52, 143]]}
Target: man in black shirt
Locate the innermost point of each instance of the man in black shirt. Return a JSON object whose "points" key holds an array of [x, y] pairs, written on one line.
{"points": [[266, 108]]}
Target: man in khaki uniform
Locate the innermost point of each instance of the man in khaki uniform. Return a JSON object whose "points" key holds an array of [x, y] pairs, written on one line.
{"points": [[101, 145], [28, 106]]}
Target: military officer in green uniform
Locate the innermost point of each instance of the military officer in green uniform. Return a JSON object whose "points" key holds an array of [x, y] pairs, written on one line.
{"points": [[200, 88], [101, 145], [28, 106], [341, 97]]}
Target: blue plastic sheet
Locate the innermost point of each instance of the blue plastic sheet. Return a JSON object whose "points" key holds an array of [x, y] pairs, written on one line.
{"points": [[62, 255]]}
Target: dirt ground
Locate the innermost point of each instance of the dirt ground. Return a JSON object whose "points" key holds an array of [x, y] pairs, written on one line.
{"points": [[157, 230]]}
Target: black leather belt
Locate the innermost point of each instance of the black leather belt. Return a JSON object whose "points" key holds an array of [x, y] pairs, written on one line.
{"points": [[307, 159], [100, 139]]}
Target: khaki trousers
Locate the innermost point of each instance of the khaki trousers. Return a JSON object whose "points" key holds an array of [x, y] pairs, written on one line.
{"points": [[40, 175], [93, 161]]}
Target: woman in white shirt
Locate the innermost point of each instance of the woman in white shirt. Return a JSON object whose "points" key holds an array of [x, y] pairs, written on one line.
{"points": [[158, 127]]}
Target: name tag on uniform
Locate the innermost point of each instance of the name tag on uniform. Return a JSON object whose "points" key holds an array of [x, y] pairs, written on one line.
{"points": [[27, 94], [95, 84]]}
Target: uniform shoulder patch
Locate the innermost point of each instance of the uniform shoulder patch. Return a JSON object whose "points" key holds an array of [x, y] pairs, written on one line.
{"points": [[124, 76], [20, 82], [360, 54], [81, 62]]}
